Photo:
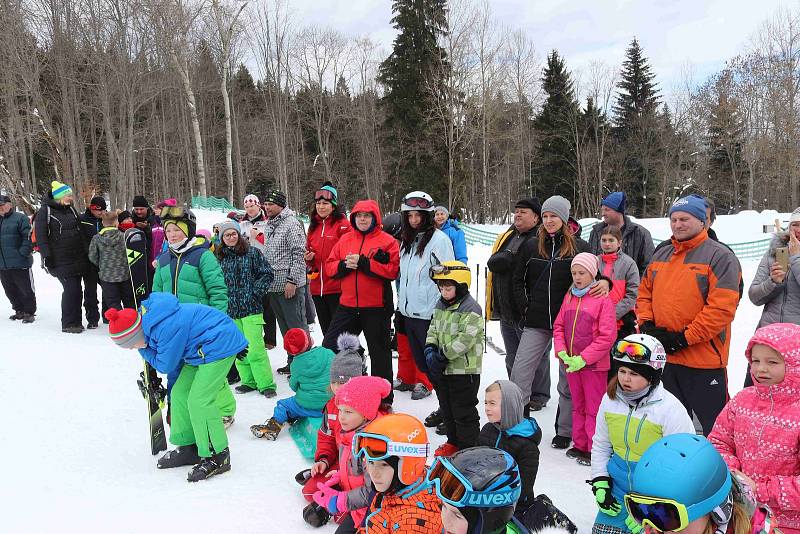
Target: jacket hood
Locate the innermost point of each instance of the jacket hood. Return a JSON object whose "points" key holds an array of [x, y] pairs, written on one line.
{"points": [[784, 338], [574, 226], [524, 429], [511, 406], [370, 206], [780, 239], [109, 234], [48, 200], [156, 308]]}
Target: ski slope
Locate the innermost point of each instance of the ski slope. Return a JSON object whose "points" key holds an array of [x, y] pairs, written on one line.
{"points": [[77, 452]]}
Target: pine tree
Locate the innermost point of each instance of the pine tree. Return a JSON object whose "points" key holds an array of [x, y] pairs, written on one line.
{"points": [[724, 141], [639, 95], [412, 76], [554, 127]]}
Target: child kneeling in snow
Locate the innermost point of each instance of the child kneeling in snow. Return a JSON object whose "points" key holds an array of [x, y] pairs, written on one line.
{"points": [[758, 431], [395, 447], [344, 492], [310, 369], [202, 342]]}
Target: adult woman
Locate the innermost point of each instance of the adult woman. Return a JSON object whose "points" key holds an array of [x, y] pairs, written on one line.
{"points": [[422, 247], [539, 286], [447, 225], [65, 255], [248, 277], [326, 225]]}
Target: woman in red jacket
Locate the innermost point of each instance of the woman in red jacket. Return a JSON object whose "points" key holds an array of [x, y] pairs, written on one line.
{"points": [[366, 261], [326, 225]]}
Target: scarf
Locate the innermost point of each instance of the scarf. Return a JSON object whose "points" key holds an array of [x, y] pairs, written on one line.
{"points": [[582, 292], [633, 397], [183, 246]]}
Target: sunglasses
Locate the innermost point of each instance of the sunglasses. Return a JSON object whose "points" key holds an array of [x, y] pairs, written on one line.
{"points": [[418, 202], [663, 515], [375, 447], [323, 194], [95, 207], [634, 351], [454, 489], [172, 212]]}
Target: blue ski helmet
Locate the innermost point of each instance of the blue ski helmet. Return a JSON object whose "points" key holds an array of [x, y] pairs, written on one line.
{"points": [[685, 468]]}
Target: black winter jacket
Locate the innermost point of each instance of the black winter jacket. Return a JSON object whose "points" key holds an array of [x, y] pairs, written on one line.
{"points": [[61, 243], [90, 225], [15, 242], [524, 449], [540, 284], [502, 287]]}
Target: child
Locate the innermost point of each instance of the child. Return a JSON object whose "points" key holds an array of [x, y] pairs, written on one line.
{"points": [[683, 485], [453, 353], [107, 251], [395, 447], [344, 493], [621, 269], [125, 220], [758, 431], [347, 364], [202, 342], [635, 412], [509, 430], [310, 371], [583, 334]]}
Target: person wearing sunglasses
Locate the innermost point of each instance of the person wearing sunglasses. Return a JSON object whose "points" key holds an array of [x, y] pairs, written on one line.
{"points": [[327, 224], [395, 447], [682, 484], [422, 246], [635, 411]]}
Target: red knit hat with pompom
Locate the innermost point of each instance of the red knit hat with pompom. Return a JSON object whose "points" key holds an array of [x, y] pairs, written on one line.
{"points": [[297, 341], [125, 327]]}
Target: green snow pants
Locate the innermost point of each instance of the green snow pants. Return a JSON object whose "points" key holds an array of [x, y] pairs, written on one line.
{"points": [[196, 416], [255, 370]]}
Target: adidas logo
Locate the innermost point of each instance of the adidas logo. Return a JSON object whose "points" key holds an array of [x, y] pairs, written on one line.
{"points": [[714, 383]]}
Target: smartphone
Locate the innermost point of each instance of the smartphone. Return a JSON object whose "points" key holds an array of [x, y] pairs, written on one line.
{"points": [[782, 257]]}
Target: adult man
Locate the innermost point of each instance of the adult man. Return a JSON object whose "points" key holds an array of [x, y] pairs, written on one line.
{"points": [[636, 240], [285, 243], [500, 298], [687, 300], [144, 219], [91, 224], [16, 259]]}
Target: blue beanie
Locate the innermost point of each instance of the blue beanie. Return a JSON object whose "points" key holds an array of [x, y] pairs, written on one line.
{"points": [[615, 200], [694, 205]]}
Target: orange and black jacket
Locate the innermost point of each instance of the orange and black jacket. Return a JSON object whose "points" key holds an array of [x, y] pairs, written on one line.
{"points": [[693, 287], [413, 509]]}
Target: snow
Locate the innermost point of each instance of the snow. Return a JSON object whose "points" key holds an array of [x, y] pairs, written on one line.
{"points": [[77, 454]]}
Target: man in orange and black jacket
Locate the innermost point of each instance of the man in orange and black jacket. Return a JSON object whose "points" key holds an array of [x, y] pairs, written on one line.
{"points": [[687, 300]]}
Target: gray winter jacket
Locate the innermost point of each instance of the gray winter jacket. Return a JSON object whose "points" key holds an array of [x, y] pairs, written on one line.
{"points": [[781, 301], [622, 271], [285, 242], [107, 251], [636, 242]]}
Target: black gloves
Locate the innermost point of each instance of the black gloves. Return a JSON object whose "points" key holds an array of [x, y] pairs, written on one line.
{"points": [[363, 263], [381, 256], [242, 355], [436, 361], [672, 341]]}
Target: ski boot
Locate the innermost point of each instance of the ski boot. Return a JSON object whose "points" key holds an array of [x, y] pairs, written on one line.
{"points": [[227, 421], [303, 476], [285, 370], [183, 455], [208, 467], [434, 419], [268, 430], [315, 515]]}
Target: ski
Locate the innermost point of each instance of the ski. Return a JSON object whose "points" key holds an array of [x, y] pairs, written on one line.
{"points": [[149, 383], [494, 347]]}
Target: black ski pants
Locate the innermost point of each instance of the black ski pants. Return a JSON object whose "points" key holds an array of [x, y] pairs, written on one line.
{"points": [[458, 404], [703, 392], [270, 323], [71, 301], [115, 293], [91, 279], [18, 286], [326, 306], [374, 322]]}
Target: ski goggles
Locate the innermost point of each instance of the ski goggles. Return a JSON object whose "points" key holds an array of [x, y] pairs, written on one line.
{"points": [[172, 212], [418, 202], [375, 447], [635, 352], [440, 269], [91, 207], [324, 194], [663, 515], [454, 489]]}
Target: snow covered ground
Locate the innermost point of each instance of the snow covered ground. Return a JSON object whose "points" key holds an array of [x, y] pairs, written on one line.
{"points": [[77, 455]]}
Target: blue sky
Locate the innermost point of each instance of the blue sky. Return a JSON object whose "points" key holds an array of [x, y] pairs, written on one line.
{"points": [[674, 33]]}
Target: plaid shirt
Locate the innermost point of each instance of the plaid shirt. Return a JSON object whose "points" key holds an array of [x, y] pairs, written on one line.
{"points": [[285, 241]]}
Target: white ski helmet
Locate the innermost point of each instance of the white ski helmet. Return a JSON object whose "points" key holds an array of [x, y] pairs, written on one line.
{"points": [[643, 354], [417, 201]]}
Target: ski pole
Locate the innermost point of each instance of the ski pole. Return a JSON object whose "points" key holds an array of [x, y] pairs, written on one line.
{"points": [[485, 303]]}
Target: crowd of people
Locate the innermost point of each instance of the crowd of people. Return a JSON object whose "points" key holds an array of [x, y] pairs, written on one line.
{"points": [[641, 336]]}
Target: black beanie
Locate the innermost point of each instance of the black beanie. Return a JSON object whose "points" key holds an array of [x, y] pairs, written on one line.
{"points": [[276, 197], [140, 202], [653, 376], [531, 204], [98, 201]]}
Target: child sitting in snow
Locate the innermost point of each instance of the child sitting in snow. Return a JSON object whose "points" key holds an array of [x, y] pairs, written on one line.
{"points": [[344, 492], [395, 448], [758, 431], [621, 269], [509, 430], [310, 372], [583, 333], [347, 364]]}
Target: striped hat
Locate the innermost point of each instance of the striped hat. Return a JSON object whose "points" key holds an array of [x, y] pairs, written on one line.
{"points": [[59, 190], [125, 327]]}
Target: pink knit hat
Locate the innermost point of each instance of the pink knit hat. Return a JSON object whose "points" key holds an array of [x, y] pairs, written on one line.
{"points": [[587, 261], [364, 394]]}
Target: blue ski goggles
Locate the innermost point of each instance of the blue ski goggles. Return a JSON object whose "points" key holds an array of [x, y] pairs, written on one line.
{"points": [[454, 489], [376, 447]]}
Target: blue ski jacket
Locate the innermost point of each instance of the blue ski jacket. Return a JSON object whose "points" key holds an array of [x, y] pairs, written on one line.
{"points": [[458, 238]]}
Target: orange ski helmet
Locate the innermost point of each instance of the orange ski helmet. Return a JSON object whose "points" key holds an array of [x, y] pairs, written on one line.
{"points": [[395, 435]]}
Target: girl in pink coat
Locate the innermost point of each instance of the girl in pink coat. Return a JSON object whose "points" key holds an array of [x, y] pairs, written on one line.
{"points": [[758, 431], [583, 333]]}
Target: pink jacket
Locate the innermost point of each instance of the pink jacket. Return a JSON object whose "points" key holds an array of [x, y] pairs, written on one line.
{"points": [[758, 432], [586, 326]]}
